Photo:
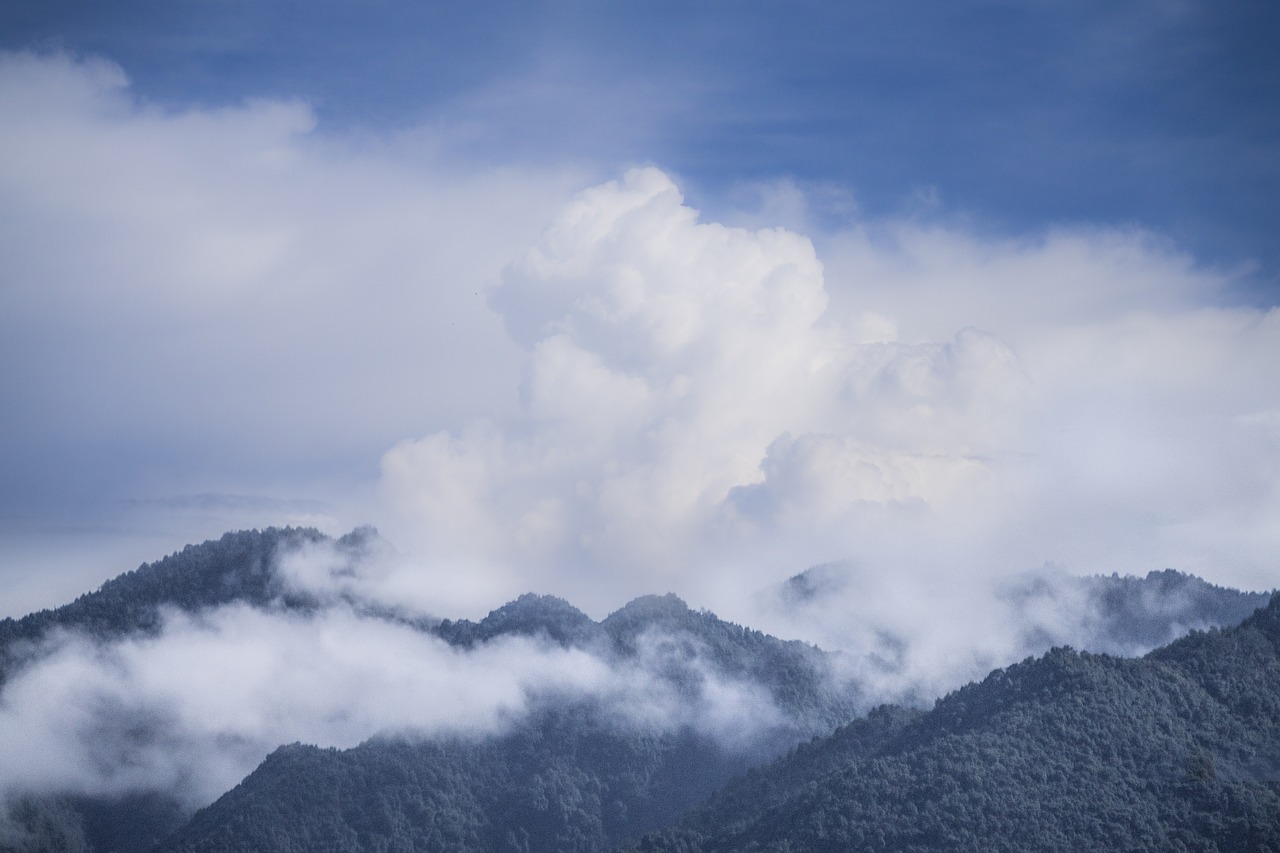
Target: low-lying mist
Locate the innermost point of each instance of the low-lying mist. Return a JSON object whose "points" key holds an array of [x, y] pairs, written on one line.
{"points": [[191, 708]]}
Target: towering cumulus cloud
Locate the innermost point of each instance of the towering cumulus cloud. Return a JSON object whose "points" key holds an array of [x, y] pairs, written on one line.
{"points": [[705, 409], [686, 402]]}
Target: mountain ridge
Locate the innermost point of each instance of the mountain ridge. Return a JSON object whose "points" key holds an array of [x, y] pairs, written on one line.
{"points": [[609, 783]]}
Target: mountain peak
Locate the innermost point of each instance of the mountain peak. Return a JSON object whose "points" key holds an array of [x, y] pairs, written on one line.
{"points": [[529, 615], [1266, 619], [238, 566], [360, 537], [650, 607], [535, 610]]}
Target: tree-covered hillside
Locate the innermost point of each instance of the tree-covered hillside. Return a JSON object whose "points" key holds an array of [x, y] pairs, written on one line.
{"points": [[1128, 615], [1067, 751], [561, 781], [626, 775], [1113, 614], [239, 567], [679, 643], [573, 776], [1179, 750]]}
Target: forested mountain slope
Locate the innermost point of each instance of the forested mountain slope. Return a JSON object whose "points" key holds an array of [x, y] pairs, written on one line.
{"points": [[1179, 750], [797, 676], [577, 772], [628, 774], [239, 567], [573, 776], [564, 781]]}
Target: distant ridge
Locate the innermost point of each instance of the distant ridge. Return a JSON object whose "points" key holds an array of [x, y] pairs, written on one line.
{"points": [[238, 567], [1141, 613], [1113, 614]]}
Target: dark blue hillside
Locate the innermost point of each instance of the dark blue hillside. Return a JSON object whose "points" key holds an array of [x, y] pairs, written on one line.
{"points": [[1179, 751]]}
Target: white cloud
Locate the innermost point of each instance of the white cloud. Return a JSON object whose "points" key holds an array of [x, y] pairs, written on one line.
{"points": [[230, 300], [687, 401], [163, 267], [708, 409]]}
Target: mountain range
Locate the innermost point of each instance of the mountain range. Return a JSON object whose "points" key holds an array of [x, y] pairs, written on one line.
{"points": [[709, 735]]}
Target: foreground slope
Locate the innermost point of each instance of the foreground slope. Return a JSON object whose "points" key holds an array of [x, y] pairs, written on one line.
{"points": [[1179, 750], [563, 781]]}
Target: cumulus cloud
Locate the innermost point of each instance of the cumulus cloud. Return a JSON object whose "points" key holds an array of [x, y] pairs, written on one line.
{"points": [[686, 402], [230, 301], [710, 408], [1142, 443]]}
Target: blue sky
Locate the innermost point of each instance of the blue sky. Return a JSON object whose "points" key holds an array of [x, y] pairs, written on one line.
{"points": [[262, 255], [1160, 113]]}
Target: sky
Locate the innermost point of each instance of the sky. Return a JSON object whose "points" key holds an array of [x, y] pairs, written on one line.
{"points": [[605, 299]]}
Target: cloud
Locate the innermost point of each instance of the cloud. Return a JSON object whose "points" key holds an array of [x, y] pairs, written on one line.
{"points": [[164, 267], [710, 408], [1142, 443], [230, 300], [682, 391]]}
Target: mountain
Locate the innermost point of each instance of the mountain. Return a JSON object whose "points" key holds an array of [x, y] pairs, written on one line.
{"points": [[626, 775], [797, 676], [704, 701], [239, 567], [564, 780], [573, 776], [1179, 750]]}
